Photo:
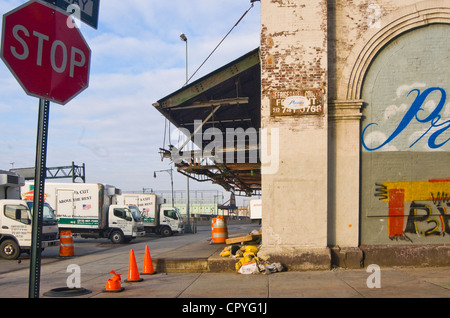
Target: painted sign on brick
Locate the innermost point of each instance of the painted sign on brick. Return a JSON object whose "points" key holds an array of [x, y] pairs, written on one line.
{"points": [[296, 102]]}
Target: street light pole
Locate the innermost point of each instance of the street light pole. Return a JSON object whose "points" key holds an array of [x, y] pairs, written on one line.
{"points": [[188, 225], [184, 39], [169, 171]]}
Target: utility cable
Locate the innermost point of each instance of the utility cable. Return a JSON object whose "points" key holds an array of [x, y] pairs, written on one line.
{"points": [[240, 19]]}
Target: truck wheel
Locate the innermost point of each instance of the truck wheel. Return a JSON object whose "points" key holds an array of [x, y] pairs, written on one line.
{"points": [[165, 231], [117, 237], [9, 249]]}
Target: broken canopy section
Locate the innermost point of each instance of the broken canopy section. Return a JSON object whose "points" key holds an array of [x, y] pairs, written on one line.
{"points": [[221, 114]]}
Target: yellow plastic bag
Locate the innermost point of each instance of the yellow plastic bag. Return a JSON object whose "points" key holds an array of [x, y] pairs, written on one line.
{"points": [[251, 249], [226, 251]]}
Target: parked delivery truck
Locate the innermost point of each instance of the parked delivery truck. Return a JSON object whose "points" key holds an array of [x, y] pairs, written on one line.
{"points": [[16, 219], [162, 221], [91, 211], [256, 209]]}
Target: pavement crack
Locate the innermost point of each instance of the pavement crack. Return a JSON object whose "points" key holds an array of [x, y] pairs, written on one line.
{"points": [[188, 285], [351, 287]]}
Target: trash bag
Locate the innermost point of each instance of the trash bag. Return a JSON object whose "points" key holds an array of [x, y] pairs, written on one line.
{"points": [[257, 265], [226, 251], [234, 249], [249, 268], [243, 261], [273, 268], [250, 249]]}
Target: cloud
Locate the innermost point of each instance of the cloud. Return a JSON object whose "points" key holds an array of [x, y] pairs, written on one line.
{"points": [[376, 138], [393, 110], [403, 90], [137, 59]]}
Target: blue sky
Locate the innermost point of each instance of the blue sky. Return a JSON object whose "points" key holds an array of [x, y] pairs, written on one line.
{"points": [[137, 59]]}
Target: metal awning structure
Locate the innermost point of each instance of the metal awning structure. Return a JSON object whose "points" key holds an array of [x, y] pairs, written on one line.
{"points": [[221, 114], [73, 172]]}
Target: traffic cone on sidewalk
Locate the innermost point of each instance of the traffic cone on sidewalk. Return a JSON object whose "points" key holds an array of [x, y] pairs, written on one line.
{"points": [[148, 265], [113, 284], [133, 273]]}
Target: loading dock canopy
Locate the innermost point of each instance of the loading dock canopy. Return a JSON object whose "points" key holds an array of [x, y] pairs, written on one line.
{"points": [[221, 114]]}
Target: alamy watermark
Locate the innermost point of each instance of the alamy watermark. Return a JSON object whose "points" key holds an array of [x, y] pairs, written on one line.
{"points": [[74, 279], [374, 17], [235, 145], [74, 19], [374, 279]]}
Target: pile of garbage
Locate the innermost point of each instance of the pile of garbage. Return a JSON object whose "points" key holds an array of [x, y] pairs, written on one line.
{"points": [[248, 261]]}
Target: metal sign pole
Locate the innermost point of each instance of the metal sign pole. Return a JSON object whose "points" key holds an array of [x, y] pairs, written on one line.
{"points": [[38, 199]]}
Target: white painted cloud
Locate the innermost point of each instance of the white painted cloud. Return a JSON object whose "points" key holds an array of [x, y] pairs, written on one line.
{"points": [[393, 110], [403, 90], [375, 139]]}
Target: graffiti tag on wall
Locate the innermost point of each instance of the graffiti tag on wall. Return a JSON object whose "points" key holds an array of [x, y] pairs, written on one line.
{"points": [[416, 207], [420, 112]]}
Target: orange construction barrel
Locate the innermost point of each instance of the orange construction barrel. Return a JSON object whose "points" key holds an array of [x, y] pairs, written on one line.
{"points": [[219, 229], [66, 248]]}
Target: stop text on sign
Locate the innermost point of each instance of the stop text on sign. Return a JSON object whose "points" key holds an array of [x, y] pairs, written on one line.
{"points": [[48, 58], [60, 54]]}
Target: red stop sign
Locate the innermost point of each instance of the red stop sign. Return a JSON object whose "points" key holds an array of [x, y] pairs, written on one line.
{"points": [[46, 53]]}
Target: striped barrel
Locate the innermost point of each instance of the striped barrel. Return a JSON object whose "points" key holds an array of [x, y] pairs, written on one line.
{"points": [[66, 248], [219, 229]]}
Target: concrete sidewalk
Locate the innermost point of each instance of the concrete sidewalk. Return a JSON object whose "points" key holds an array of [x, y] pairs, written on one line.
{"points": [[187, 256]]}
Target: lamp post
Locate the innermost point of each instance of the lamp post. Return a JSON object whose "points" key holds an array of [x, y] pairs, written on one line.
{"points": [[188, 225], [184, 39], [169, 171]]}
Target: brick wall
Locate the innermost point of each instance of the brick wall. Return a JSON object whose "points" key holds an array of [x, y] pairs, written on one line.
{"points": [[330, 46], [294, 59]]}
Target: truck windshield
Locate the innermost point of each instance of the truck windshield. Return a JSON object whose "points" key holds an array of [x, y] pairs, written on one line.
{"points": [[174, 214], [178, 214], [135, 212], [48, 214]]}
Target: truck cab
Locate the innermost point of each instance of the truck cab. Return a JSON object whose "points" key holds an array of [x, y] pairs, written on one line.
{"points": [[16, 227], [170, 221], [16, 219], [137, 217], [48, 215], [125, 226]]}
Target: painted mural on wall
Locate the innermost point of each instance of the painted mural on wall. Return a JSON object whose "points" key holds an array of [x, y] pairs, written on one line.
{"points": [[423, 119], [416, 209], [405, 141]]}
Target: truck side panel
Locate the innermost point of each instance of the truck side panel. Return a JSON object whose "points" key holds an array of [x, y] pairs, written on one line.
{"points": [[146, 202], [76, 205], [256, 209]]}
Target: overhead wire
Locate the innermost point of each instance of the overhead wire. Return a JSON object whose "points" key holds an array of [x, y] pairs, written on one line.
{"points": [[217, 46], [201, 65]]}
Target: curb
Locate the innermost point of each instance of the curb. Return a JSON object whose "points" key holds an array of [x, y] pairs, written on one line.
{"points": [[213, 264], [347, 258]]}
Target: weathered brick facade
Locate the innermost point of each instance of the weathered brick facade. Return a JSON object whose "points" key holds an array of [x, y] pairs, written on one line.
{"points": [[358, 70]]}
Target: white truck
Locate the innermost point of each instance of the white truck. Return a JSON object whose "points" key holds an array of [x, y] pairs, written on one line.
{"points": [[16, 219], [256, 209], [91, 211], [162, 221]]}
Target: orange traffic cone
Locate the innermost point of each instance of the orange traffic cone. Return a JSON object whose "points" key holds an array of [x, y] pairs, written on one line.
{"points": [[113, 284], [133, 273], [148, 266]]}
